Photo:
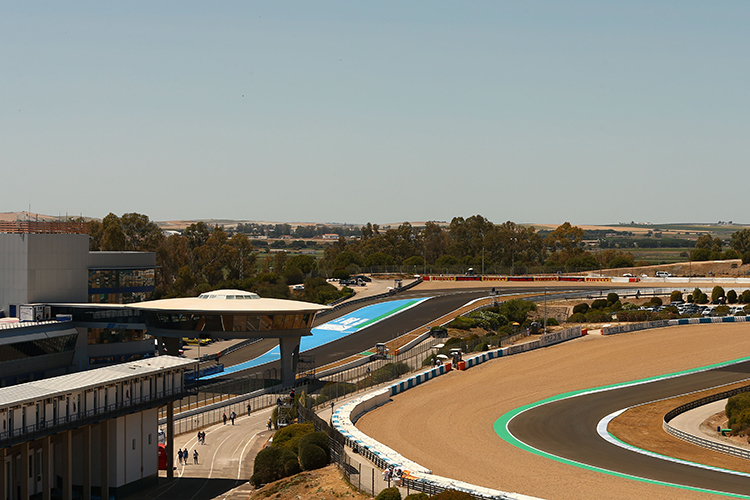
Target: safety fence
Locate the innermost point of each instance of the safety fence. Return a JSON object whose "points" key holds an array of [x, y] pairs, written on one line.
{"points": [[727, 449]]}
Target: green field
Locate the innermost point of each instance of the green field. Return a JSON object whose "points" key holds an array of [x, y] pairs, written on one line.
{"points": [[658, 255]]}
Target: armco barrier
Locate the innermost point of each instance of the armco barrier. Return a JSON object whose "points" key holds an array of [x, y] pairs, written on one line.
{"points": [[697, 440], [422, 479]]}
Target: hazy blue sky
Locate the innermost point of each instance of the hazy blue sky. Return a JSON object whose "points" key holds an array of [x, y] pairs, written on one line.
{"points": [[530, 111]]}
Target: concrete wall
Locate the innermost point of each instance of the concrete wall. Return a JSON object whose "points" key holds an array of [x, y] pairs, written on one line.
{"points": [[43, 268]]}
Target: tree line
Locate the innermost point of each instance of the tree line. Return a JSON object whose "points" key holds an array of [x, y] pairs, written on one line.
{"points": [[204, 258]]}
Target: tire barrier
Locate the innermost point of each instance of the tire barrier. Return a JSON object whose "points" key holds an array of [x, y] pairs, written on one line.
{"points": [[632, 327], [418, 477]]}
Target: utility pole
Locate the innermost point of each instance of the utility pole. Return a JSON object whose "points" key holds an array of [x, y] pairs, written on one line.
{"points": [[545, 310]]}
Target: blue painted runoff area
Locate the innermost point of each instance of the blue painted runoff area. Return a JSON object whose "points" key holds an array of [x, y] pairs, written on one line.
{"points": [[333, 330]]}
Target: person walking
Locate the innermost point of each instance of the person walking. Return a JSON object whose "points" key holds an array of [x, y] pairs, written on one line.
{"points": [[195, 457], [179, 455], [232, 416], [225, 419], [248, 410], [269, 424]]}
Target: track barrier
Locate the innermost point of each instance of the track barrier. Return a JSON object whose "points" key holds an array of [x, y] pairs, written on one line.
{"points": [[418, 477]]}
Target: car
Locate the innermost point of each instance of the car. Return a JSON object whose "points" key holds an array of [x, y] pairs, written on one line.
{"points": [[663, 274], [298, 288], [628, 275], [362, 277]]}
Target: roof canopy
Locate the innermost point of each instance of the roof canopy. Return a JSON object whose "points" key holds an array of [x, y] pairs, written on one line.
{"points": [[229, 301]]}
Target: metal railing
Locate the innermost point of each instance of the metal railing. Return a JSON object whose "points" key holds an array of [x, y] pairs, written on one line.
{"points": [[705, 443], [90, 416]]}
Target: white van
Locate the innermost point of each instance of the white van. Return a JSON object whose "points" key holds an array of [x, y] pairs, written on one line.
{"points": [[663, 274]]}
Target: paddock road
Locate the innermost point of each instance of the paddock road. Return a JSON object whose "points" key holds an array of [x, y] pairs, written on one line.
{"points": [[567, 428]]}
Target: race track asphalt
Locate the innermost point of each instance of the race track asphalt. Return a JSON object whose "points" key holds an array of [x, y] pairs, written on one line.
{"points": [[441, 303], [567, 428]]}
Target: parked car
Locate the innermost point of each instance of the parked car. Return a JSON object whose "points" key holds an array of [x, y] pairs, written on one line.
{"points": [[663, 274]]}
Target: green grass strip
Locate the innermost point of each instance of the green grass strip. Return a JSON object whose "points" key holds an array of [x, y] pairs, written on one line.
{"points": [[501, 428]]}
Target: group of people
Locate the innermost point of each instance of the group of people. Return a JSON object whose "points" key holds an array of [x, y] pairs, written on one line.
{"points": [[232, 416], [183, 456], [392, 473], [202, 437]]}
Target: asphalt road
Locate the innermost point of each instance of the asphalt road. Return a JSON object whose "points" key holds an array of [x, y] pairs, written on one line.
{"points": [[443, 302], [567, 429]]}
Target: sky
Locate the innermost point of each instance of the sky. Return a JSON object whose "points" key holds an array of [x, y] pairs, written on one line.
{"points": [[592, 112]]}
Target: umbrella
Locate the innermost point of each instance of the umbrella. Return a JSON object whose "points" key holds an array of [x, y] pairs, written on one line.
{"points": [[442, 356]]}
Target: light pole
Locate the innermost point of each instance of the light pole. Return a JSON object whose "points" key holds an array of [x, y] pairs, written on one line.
{"points": [[545, 310]]}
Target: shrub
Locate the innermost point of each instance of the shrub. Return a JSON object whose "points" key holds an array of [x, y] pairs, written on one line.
{"points": [[577, 318], [732, 297], [318, 439], [452, 495], [552, 322], [581, 308], [738, 412], [721, 310], [389, 372], [482, 347], [633, 316], [717, 293], [289, 436], [690, 298], [598, 317], [341, 274], [612, 297], [312, 457], [745, 297], [616, 306], [269, 464], [417, 496], [516, 310], [655, 301], [389, 494], [462, 323], [675, 296], [599, 304], [291, 467]]}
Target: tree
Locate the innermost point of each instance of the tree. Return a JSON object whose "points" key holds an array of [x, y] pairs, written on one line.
{"points": [[732, 297], [113, 237], [197, 234], [704, 241], [675, 296], [717, 293], [740, 241], [142, 234]]}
